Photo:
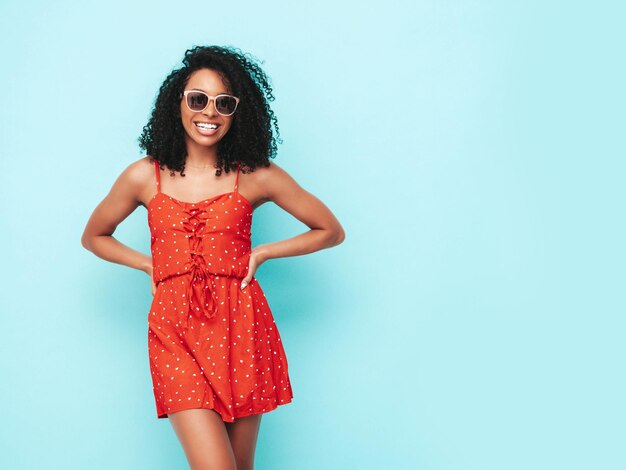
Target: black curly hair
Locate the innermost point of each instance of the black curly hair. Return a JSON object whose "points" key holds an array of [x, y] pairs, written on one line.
{"points": [[250, 141]]}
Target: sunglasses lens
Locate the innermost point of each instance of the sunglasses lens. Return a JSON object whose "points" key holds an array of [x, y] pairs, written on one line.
{"points": [[225, 104], [197, 101]]}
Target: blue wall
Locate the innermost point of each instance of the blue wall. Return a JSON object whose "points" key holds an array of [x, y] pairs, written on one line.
{"points": [[473, 319]]}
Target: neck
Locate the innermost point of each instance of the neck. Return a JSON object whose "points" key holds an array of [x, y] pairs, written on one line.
{"points": [[200, 155]]}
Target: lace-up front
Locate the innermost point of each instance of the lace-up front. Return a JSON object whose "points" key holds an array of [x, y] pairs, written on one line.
{"points": [[217, 233]]}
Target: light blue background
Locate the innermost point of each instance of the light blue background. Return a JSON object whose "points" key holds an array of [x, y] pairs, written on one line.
{"points": [[473, 319]]}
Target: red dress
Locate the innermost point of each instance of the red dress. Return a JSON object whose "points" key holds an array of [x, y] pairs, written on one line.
{"points": [[211, 344]]}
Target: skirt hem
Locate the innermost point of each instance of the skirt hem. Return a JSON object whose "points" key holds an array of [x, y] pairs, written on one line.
{"points": [[227, 419]]}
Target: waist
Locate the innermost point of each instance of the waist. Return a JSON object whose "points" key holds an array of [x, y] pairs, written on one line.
{"points": [[199, 265], [200, 287], [193, 272]]}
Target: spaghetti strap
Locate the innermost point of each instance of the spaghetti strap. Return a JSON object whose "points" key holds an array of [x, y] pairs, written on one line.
{"points": [[158, 176], [237, 177]]}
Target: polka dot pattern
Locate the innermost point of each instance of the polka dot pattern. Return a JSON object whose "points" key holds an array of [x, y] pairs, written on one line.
{"points": [[211, 344]]}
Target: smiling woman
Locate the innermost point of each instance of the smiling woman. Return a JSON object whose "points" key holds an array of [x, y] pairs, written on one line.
{"points": [[230, 85], [216, 356]]}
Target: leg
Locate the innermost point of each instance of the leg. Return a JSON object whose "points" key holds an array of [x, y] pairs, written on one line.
{"points": [[243, 434], [204, 439]]}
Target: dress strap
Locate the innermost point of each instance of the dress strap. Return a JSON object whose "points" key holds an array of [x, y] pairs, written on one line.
{"points": [[157, 173], [237, 177]]}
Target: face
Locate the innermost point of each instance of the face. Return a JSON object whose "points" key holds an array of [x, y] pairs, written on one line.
{"points": [[210, 82]]}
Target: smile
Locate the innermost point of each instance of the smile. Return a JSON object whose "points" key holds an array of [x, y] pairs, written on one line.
{"points": [[206, 128]]}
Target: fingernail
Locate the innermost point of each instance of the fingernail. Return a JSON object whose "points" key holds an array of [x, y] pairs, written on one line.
{"points": [[244, 284]]}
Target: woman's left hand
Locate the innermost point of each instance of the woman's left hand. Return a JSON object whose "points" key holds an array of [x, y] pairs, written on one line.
{"points": [[257, 257]]}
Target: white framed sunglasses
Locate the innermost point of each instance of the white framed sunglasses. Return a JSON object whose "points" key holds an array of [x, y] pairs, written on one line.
{"points": [[197, 101]]}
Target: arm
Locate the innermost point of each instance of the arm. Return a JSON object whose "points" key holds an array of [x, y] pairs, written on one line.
{"points": [[122, 200], [325, 230]]}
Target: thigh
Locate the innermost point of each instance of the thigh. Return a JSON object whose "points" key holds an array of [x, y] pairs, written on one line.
{"points": [[204, 439], [243, 433]]}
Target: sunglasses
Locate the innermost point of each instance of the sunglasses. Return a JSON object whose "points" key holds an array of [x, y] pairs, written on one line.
{"points": [[198, 101]]}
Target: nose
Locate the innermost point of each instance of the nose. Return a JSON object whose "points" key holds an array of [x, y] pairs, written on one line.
{"points": [[210, 109]]}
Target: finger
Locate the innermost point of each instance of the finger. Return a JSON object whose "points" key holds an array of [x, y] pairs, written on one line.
{"points": [[245, 282]]}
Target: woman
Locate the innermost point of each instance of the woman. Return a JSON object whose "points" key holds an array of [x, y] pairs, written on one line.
{"points": [[216, 358]]}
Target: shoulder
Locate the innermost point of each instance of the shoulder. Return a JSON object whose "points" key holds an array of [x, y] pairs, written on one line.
{"points": [[267, 175], [139, 171], [137, 176], [273, 181], [266, 181]]}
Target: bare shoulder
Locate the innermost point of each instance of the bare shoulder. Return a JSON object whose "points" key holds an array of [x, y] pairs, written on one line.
{"points": [[270, 177], [138, 177], [277, 185], [259, 184], [269, 172], [140, 170]]}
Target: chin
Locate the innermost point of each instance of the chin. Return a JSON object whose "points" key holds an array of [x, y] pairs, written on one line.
{"points": [[205, 139]]}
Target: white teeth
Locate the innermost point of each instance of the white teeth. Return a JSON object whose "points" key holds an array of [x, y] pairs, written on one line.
{"points": [[205, 125]]}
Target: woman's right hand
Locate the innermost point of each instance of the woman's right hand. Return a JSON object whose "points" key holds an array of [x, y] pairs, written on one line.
{"points": [[150, 272], [152, 282]]}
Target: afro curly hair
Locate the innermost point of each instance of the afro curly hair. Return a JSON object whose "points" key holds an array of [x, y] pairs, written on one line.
{"points": [[250, 141]]}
